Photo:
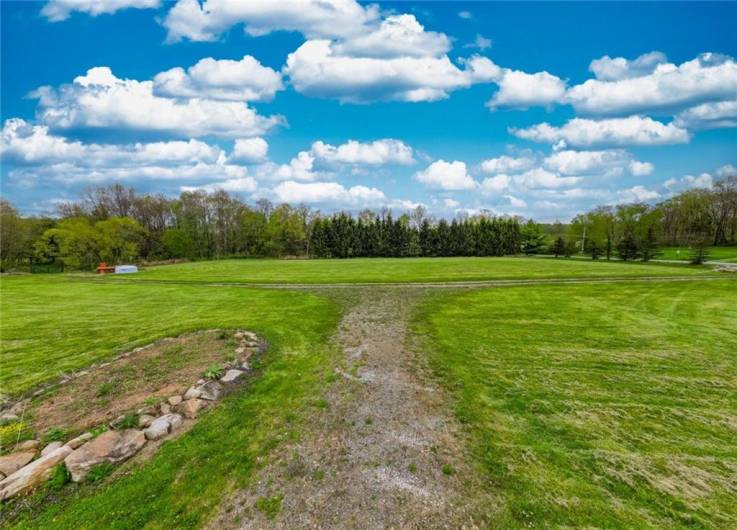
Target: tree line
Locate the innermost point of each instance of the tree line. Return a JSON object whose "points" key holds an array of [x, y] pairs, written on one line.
{"points": [[116, 224]]}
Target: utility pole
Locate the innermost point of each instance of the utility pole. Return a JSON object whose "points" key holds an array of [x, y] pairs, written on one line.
{"points": [[583, 240]]}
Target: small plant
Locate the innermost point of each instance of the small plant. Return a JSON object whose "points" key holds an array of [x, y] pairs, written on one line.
{"points": [[319, 474], [129, 421], [59, 477], [269, 506], [99, 472], [54, 434], [447, 469], [150, 401], [369, 420], [213, 372], [321, 403], [97, 431], [105, 389], [222, 334], [412, 468]]}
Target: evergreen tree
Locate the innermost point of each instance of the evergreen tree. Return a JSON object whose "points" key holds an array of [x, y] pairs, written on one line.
{"points": [[559, 247], [627, 247]]}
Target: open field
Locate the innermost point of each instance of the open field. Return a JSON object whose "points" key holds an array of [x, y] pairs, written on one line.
{"points": [[608, 406], [728, 254], [546, 405], [377, 270]]}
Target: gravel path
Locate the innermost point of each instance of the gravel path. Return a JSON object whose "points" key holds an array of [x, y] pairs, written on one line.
{"points": [[385, 452]]}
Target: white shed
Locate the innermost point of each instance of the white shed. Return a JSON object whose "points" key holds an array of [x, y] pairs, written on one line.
{"points": [[125, 269]]}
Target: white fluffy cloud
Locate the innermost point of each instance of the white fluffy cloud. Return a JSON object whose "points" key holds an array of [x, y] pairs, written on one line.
{"points": [[709, 77], [542, 178], [446, 176], [637, 194], [396, 36], [709, 116], [313, 18], [507, 164], [101, 100], [496, 184], [608, 69], [704, 180], [522, 90], [480, 42], [234, 185], [581, 132], [316, 69], [58, 10], [726, 171], [250, 149], [378, 152], [36, 153], [327, 192], [609, 162], [243, 80]]}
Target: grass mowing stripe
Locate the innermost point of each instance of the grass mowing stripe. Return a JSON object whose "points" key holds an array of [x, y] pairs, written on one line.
{"points": [[596, 405]]}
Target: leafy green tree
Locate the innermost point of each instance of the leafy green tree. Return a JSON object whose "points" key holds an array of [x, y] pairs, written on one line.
{"points": [[533, 238], [118, 239]]}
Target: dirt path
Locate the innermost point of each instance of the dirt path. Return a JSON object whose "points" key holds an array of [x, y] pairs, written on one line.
{"points": [[384, 453]]}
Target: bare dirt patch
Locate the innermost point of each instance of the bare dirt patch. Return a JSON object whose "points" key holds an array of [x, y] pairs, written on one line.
{"points": [[385, 452], [155, 372]]}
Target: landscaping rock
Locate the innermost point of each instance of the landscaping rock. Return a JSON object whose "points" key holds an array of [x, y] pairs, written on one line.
{"points": [[11, 463], [165, 408], [29, 445], [175, 400], [158, 429], [231, 376], [145, 420], [191, 407], [110, 446], [162, 426], [33, 474], [53, 446], [79, 440], [245, 366], [19, 407], [147, 411], [200, 382], [210, 391], [192, 393]]}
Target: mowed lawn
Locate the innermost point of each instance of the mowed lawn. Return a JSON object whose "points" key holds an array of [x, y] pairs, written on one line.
{"points": [[376, 270], [596, 406], [728, 254], [51, 324]]}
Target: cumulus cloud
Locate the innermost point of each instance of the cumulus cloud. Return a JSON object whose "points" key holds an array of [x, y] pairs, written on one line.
{"points": [[378, 152], [250, 149], [327, 192], [726, 171], [522, 90], [608, 69], [188, 19], [709, 77], [610, 162], [637, 194], [446, 176], [704, 180], [234, 185], [243, 80], [507, 164], [709, 116], [542, 178], [496, 184], [58, 10], [515, 202], [581, 132], [316, 69], [396, 36], [99, 99], [451, 203], [26, 143]]}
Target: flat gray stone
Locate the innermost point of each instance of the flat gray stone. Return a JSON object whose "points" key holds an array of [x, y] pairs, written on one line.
{"points": [[210, 391], [231, 376]]}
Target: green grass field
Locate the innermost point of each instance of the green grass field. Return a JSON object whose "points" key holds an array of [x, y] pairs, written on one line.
{"points": [[609, 406], [728, 254], [596, 405], [376, 270]]}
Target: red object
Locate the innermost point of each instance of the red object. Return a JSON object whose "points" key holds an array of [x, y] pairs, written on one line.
{"points": [[104, 268]]}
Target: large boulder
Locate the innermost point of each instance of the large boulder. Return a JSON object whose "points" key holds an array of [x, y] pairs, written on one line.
{"points": [[33, 474], [110, 446], [210, 391], [11, 463], [191, 407], [53, 446]]}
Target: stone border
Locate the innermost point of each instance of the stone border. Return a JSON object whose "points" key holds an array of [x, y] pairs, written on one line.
{"points": [[20, 473]]}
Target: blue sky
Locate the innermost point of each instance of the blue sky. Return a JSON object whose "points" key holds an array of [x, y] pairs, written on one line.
{"points": [[542, 110]]}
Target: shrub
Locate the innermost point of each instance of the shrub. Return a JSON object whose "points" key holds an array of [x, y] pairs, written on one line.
{"points": [[213, 372]]}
